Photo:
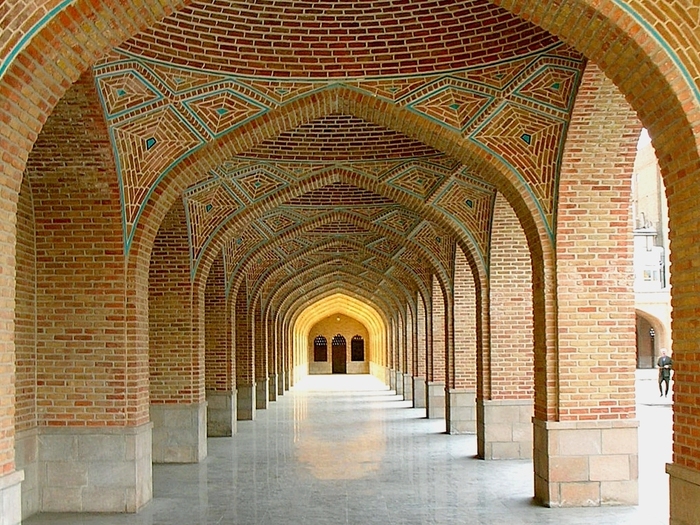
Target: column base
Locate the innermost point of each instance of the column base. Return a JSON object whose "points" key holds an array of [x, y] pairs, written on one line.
{"points": [[281, 384], [399, 383], [262, 393], [504, 429], [460, 411], [245, 402], [407, 387], [272, 394], [95, 469], [27, 461], [420, 397], [11, 498], [586, 463], [179, 433], [221, 414], [435, 399], [684, 488]]}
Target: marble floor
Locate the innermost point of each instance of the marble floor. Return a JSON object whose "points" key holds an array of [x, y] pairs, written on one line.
{"points": [[346, 450]]}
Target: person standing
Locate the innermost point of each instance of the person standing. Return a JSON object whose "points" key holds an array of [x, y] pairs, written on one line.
{"points": [[665, 365]]}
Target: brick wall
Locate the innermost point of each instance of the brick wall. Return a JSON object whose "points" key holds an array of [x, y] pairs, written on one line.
{"points": [[333, 325], [512, 344]]}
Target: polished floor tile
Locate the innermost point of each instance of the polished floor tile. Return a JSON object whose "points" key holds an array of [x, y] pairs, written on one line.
{"points": [[346, 450]]}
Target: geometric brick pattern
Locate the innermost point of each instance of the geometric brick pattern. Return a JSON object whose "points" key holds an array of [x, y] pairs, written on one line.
{"points": [[516, 108], [512, 97]]}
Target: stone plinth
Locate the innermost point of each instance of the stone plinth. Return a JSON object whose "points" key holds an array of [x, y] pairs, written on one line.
{"points": [[420, 397], [460, 411], [392, 379], [27, 460], [262, 393], [684, 487], [504, 429], [435, 399], [246, 402], [399, 383], [281, 388], [179, 433], [221, 414], [586, 463], [407, 387], [95, 469], [11, 498], [272, 394]]}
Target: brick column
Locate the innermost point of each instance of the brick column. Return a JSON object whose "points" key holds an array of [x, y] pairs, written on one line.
{"points": [[220, 375], [262, 381], [506, 405], [586, 454], [461, 364], [245, 357], [83, 435], [177, 344], [435, 384], [420, 377]]}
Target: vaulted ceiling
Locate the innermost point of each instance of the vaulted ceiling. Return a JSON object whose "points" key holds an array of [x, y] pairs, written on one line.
{"points": [[339, 198]]}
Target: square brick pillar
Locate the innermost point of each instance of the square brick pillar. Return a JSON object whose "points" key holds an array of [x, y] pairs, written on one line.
{"points": [[11, 498], [586, 463], [684, 487], [221, 413], [460, 411], [95, 469], [504, 428], [179, 433], [435, 399], [245, 402]]}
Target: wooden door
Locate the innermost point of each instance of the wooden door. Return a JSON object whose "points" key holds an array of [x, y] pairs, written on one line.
{"points": [[339, 359]]}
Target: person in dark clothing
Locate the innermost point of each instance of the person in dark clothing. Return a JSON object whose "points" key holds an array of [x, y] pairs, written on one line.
{"points": [[665, 365]]}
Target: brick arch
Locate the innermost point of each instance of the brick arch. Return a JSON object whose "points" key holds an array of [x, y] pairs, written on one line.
{"points": [[346, 101], [635, 54], [323, 290], [290, 292], [213, 249], [33, 81], [358, 221], [332, 243]]}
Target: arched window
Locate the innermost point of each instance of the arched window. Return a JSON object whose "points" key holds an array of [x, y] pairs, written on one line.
{"points": [[357, 348], [320, 349]]}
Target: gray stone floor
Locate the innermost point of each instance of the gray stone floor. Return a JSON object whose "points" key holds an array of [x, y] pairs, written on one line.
{"points": [[344, 449]]}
